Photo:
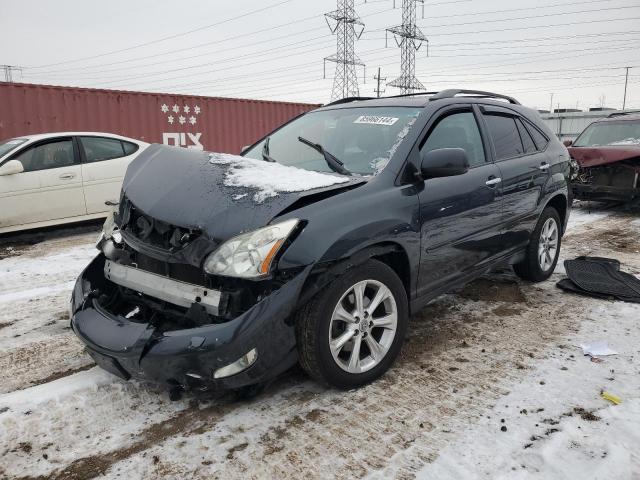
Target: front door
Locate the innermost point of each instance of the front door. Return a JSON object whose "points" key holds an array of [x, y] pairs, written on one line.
{"points": [[50, 188], [460, 216]]}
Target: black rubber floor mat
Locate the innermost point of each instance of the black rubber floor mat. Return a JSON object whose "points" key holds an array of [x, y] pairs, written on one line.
{"points": [[601, 278]]}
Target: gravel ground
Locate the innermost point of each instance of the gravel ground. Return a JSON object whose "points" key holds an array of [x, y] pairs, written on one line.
{"points": [[472, 359]]}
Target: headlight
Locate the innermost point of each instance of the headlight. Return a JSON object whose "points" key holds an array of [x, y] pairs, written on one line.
{"points": [[110, 229], [249, 255]]}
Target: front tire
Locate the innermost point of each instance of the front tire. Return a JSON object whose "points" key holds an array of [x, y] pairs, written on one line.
{"points": [[350, 333], [543, 250]]}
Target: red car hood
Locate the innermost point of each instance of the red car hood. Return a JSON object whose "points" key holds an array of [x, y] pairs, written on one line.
{"points": [[594, 156]]}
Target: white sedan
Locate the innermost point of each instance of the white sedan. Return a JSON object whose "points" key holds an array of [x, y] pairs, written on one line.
{"points": [[57, 178]]}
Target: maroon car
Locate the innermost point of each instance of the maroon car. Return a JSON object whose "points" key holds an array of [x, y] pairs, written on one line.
{"points": [[608, 156]]}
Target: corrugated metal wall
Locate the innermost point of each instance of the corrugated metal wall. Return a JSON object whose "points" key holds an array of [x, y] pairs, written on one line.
{"points": [[215, 124]]}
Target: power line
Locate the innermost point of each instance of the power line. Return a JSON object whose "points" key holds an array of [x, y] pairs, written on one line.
{"points": [[170, 37]]}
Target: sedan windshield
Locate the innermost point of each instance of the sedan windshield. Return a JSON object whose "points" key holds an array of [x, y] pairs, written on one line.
{"points": [[362, 139], [610, 134], [7, 145]]}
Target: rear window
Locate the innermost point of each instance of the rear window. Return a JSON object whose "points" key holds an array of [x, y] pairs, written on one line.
{"points": [[506, 138], [540, 140], [527, 141], [7, 145], [129, 147], [97, 149]]}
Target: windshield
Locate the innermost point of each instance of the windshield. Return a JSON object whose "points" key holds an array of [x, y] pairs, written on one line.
{"points": [[363, 139], [610, 134], [7, 145]]}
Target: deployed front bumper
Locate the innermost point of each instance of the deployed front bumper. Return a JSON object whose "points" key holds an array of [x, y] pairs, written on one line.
{"points": [[189, 357]]}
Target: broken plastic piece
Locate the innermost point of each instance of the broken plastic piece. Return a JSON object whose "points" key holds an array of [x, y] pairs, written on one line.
{"points": [[597, 349], [616, 400]]}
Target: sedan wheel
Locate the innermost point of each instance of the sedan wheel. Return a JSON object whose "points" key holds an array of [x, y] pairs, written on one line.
{"points": [[363, 326]]}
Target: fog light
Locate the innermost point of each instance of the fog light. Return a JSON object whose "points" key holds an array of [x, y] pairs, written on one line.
{"points": [[238, 366]]}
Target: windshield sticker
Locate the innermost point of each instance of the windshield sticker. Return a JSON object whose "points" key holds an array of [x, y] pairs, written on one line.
{"points": [[375, 120]]}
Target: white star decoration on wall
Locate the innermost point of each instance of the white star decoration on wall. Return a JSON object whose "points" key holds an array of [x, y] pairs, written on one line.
{"points": [[181, 119]]}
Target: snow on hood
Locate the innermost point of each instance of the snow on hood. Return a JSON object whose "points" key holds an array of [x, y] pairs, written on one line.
{"points": [[268, 178]]}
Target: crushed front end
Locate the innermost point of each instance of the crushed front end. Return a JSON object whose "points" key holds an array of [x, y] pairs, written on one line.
{"points": [[609, 174], [145, 308]]}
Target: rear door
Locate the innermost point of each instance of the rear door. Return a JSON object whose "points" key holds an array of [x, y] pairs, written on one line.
{"points": [[524, 170], [50, 187], [104, 163], [460, 216]]}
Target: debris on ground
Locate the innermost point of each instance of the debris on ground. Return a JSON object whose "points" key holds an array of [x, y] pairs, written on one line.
{"points": [[597, 349], [616, 400]]}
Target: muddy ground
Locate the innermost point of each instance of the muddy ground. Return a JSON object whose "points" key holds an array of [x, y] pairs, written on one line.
{"points": [[61, 417]]}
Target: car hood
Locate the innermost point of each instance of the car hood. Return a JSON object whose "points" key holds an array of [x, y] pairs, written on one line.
{"points": [[594, 156], [221, 195]]}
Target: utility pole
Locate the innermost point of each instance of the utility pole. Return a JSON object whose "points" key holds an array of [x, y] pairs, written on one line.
{"points": [[345, 82], [626, 82], [379, 79], [409, 38], [551, 104], [8, 69]]}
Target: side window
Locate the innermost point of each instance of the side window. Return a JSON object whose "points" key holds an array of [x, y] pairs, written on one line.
{"points": [[527, 141], [99, 148], [458, 130], [129, 147], [56, 154], [506, 138], [540, 140]]}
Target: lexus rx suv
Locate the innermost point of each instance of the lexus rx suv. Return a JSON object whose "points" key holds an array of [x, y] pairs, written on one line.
{"points": [[314, 246]]}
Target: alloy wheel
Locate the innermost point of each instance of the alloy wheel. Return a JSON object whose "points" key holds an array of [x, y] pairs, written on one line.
{"points": [[363, 326], [548, 244]]}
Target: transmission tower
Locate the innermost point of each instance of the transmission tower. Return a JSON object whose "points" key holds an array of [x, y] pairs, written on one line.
{"points": [[8, 70], [344, 23], [409, 38]]}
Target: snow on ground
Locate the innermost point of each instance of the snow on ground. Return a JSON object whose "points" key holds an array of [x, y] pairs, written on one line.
{"points": [[270, 178], [498, 349]]}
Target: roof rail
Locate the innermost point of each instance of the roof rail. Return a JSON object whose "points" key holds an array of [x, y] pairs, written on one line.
{"points": [[348, 100], [620, 114], [414, 94], [450, 93]]}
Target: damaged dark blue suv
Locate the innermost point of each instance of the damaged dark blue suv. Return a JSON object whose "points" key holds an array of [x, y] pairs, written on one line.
{"points": [[218, 271]]}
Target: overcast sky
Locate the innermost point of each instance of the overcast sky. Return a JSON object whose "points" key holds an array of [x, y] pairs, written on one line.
{"points": [[274, 49]]}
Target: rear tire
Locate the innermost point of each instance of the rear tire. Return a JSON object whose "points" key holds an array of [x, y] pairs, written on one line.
{"points": [[345, 342], [543, 250]]}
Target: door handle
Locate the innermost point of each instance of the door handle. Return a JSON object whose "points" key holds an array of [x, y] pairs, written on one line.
{"points": [[493, 181], [544, 166], [67, 176]]}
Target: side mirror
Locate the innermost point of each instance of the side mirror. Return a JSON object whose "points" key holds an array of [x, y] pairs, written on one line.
{"points": [[12, 167], [568, 143], [444, 162]]}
